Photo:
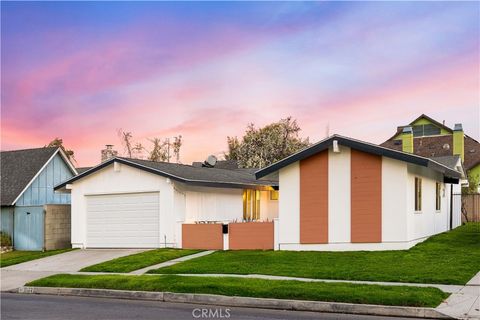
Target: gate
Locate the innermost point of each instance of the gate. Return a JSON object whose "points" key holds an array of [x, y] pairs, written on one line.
{"points": [[28, 228]]}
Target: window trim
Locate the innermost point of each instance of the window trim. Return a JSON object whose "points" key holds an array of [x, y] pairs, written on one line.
{"points": [[418, 195], [438, 197]]}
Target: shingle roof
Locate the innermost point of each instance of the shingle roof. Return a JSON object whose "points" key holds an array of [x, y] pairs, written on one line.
{"points": [[82, 169], [202, 176], [18, 168], [362, 146], [449, 161], [438, 146]]}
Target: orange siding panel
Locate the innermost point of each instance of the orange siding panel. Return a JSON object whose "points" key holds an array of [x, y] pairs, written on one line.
{"points": [[366, 197], [250, 236], [202, 236], [314, 199]]}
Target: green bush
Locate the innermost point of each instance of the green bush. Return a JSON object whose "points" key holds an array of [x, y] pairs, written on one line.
{"points": [[5, 239]]}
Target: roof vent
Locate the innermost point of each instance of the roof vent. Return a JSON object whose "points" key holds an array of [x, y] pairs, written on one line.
{"points": [[446, 146]]}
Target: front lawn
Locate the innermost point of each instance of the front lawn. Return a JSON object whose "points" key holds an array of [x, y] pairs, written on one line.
{"points": [[139, 260], [15, 257], [316, 291], [449, 258]]}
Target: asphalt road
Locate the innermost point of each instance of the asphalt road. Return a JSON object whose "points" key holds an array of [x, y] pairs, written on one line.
{"points": [[28, 306]]}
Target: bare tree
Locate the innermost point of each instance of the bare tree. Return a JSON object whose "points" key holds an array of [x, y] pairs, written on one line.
{"points": [[177, 144], [126, 137], [159, 151]]}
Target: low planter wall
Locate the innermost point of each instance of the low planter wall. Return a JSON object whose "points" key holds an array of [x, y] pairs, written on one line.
{"points": [[202, 236], [251, 236]]}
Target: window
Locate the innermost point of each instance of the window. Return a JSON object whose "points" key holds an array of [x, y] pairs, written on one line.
{"points": [[425, 130], [438, 201], [418, 194], [273, 194], [251, 204]]}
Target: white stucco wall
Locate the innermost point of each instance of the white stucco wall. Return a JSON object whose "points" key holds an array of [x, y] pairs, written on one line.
{"points": [[428, 221], [339, 191], [394, 200], [213, 204], [289, 205], [125, 180], [268, 208]]}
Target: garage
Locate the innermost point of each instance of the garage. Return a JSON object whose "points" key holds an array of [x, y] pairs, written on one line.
{"points": [[126, 220]]}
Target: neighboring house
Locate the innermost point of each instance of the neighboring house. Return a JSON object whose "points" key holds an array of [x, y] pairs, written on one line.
{"points": [[346, 194], [429, 138], [124, 203], [27, 181]]}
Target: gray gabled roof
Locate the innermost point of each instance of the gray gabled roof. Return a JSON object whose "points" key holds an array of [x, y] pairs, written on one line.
{"points": [[362, 146], [449, 161], [199, 176], [18, 168]]}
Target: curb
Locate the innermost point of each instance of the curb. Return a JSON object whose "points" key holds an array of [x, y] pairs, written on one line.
{"points": [[265, 303]]}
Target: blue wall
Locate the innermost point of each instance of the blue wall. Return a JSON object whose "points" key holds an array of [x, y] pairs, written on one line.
{"points": [[41, 191], [6, 221]]}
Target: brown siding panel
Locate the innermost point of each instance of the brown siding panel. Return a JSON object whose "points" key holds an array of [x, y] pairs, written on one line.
{"points": [[366, 197], [202, 236], [250, 236], [314, 199]]}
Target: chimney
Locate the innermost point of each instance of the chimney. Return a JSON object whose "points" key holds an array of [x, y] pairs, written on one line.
{"points": [[458, 141], [108, 152], [407, 139]]}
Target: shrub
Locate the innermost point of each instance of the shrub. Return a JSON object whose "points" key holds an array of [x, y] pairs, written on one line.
{"points": [[5, 239]]}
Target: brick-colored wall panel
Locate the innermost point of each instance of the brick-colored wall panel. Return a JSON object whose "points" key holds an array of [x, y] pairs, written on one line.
{"points": [[366, 197], [314, 199], [202, 236], [251, 236]]}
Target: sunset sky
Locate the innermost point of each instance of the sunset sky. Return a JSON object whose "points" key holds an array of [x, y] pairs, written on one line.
{"points": [[82, 70]]}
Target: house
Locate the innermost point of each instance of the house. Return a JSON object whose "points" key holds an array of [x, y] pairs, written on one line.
{"points": [[132, 203], [32, 213], [430, 138], [345, 194]]}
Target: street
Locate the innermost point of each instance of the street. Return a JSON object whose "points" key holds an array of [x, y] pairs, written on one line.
{"points": [[19, 306]]}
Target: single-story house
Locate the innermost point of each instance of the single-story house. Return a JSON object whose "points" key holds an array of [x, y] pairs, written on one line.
{"points": [[34, 215], [132, 203], [346, 194], [338, 194]]}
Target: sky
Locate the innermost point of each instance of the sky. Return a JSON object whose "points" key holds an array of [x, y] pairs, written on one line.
{"points": [[205, 70]]}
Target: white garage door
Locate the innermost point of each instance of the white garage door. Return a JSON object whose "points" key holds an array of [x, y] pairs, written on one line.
{"points": [[123, 220]]}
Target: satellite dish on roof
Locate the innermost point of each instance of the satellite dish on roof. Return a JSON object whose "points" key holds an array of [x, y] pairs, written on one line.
{"points": [[211, 161]]}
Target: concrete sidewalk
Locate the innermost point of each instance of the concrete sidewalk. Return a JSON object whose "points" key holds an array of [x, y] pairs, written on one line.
{"points": [[464, 304], [172, 262], [18, 275]]}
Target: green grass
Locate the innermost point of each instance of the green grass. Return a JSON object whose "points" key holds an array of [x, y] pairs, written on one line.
{"points": [[15, 257], [338, 292], [449, 258], [139, 260]]}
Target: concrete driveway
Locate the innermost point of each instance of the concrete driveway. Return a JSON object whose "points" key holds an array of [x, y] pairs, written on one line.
{"points": [[17, 275]]}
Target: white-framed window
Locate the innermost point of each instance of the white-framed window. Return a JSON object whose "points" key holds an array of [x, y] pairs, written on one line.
{"points": [[438, 197], [418, 194]]}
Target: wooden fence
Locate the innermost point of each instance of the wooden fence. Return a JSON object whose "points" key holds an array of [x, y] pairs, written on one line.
{"points": [[471, 207]]}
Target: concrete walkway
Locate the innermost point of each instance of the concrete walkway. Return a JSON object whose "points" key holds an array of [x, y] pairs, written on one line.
{"points": [[17, 275], [465, 303], [172, 262]]}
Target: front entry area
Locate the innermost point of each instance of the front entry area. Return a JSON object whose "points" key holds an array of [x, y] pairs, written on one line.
{"points": [[126, 220]]}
